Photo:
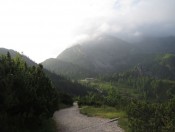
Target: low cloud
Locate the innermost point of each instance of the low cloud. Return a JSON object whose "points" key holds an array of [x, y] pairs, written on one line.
{"points": [[53, 25], [133, 18]]}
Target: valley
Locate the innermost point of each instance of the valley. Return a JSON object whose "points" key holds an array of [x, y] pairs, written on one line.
{"points": [[87, 66], [110, 78]]}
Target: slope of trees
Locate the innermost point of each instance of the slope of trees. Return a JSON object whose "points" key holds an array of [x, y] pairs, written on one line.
{"points": [[152, 107], [65, 85], [62, 84], [27, 96], [152, 117], [151, 88], [153, 110], [107, 54]]}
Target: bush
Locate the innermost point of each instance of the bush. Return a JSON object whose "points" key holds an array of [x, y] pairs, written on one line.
{"points": [[147, 117], [26, 95]]}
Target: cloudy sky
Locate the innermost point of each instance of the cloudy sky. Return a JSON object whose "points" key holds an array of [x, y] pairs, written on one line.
{"points": [[43, 28]]}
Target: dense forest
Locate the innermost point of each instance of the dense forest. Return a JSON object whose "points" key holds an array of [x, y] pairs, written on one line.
{"points": [[62, 83], [27, 96], [147, 99], [30, 94]]}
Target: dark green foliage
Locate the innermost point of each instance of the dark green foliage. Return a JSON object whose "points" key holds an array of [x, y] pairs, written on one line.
{"points": [[13, 54], [152, 110], [148, 88], [66, 99], [113, 99], [155, 111], [147, 117], [62, 84], [27, 97], [93, 99]]}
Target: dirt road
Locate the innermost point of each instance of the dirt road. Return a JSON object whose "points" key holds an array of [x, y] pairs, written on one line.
{"points": [[70, 120]]}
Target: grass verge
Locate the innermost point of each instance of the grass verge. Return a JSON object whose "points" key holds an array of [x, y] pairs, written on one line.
{"points": [[107, 112]]}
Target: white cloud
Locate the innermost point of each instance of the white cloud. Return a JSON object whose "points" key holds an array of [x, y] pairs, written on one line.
{"points": [[43, 28]]}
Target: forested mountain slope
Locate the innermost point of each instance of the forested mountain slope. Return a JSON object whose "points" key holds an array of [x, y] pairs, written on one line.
{"points": [[107, 54], [15, 53], [60, 82]]}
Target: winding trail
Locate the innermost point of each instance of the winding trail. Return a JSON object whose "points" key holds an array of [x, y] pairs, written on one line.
{"points": [[70, 120]]}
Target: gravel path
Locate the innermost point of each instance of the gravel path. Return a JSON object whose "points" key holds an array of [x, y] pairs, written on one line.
{"points": [[70, 120]]}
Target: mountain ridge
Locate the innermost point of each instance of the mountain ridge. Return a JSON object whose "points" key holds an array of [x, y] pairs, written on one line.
{"points": [[109, 54], [61, 83]]}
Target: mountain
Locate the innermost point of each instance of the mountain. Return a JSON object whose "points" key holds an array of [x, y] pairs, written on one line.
{"points": [[160, 45], [62, 84], [99, 54], [67, 68], [106, 55], [91, 58], [15, 53]]}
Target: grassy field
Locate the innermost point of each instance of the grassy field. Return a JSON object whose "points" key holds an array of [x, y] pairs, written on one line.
{"points": [[107, 112]]}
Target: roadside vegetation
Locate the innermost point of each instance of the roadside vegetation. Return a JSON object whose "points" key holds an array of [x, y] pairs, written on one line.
{"points": [[107, 112], [27, 97], [103, 111], [108, 104], [141, 102]]}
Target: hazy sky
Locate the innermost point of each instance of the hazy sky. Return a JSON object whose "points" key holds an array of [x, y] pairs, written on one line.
{"points": [[43, 28]]}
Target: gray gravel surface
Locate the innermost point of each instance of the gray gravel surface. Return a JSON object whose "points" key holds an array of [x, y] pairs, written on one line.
{"points": [[70, 120]]}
